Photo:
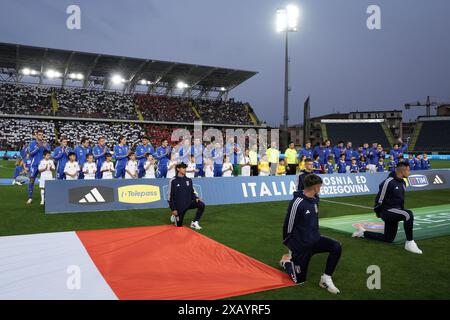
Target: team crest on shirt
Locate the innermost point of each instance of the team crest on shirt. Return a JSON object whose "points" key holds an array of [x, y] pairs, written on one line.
{"points": [[187, 183]]}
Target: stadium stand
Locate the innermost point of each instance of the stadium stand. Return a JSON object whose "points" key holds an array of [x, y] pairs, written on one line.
{"points": [[15, 132], [164, 108], [223, 112], [357, 133], [74, 131], [95, 104], [24, 99], [434, 135]]}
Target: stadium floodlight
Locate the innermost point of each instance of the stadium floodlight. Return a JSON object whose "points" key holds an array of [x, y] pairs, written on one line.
{"points": [[223, 89], [287, 21], [79, 76], [34, 72], [117, 79], [182, 85], [26, 71], [52, 74], [145, 82]]}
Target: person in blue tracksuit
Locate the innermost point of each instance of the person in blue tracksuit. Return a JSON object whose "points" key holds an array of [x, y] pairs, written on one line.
{"points": [[390, 207], [321, 151], [425, 162], [396, 152], [185, 151], [162, 154], [36, 154], [307, 151], [217, 156], [418, 162], [316, 164], [329, 166], [81, 152], [341, 166], [61, 156], [24, 150], [99, 152], [349, 153], [372, 157], [362, 164], [301, 235], [380, 165], [197, 152], [354, 168], [411, 161], [365, 149], [182, 197], [391, 164], [328, 149], [141, 150], [121, 153], [338, 150]]}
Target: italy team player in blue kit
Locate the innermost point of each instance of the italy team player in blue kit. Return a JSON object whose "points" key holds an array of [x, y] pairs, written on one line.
{"points": [[141, 151], [99, 152], [197, 152], [81, 152], [301, 235], [36, 153], [61, 155], [121, 153], [162, 154], [390, 207]]}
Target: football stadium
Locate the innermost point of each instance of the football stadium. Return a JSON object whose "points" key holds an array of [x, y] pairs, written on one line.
{"points": [[103, 155]]}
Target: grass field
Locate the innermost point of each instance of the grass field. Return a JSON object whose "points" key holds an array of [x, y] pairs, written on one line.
{"points": [[255, 229]]}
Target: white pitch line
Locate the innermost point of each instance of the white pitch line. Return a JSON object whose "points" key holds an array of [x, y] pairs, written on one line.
{"points": [[440, 225], [347, 204]]}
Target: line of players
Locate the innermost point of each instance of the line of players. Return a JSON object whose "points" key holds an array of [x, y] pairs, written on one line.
{"points": [[85, 162]]}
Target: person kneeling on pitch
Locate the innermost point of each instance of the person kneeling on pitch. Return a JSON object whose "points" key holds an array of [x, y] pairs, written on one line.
{"points": [[182, 197], [301, 235], [389, 206]]}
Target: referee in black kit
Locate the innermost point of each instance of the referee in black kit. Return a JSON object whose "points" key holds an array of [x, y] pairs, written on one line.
{"points": [[182, 197]]}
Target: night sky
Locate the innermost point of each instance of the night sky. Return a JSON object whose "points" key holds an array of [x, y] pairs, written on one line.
{"points": [[334, 57]]}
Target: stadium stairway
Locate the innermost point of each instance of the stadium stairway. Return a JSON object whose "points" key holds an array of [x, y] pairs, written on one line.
{"points": [[252, 115], [416, 134], [324, 131], [138, 112], [388, 133], [54, 102], [195, 111]]}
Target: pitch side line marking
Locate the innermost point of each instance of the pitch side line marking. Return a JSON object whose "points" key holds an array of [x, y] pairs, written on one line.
{"points": [[347, 204]]}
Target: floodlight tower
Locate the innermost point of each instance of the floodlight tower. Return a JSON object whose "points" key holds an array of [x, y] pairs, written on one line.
{"points": [[287, 20]]}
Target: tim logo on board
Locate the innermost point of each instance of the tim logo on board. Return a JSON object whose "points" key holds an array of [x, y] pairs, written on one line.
{"points": [[138, 194], [418, 181], [92, 195]]}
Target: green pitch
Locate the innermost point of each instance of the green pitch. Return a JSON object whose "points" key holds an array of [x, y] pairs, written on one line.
{"points": [[429, 222], [255, 229]]}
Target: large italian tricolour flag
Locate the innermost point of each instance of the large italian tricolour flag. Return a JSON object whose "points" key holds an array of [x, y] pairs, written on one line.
{"points": [[162, 262]]}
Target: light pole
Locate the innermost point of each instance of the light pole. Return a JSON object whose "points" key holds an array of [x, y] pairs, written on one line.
{"points": [[287, 20]]}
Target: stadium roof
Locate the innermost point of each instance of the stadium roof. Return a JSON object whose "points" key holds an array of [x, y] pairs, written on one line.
{"points": [[96, 68]]}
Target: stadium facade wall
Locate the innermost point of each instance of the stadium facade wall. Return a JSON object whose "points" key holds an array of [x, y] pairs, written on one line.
{"points": [[118, 194]]}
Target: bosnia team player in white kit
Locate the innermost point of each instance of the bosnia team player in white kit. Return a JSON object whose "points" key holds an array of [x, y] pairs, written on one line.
{"points": [[46, 168]]}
